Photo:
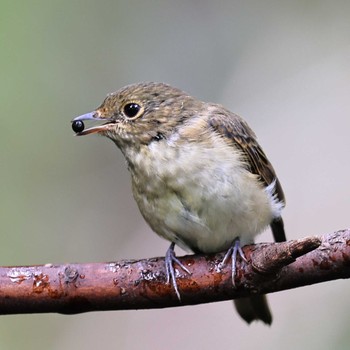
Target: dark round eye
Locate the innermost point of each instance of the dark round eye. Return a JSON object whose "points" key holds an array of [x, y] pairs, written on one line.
{"points": [[131, 109], [78, 126]]}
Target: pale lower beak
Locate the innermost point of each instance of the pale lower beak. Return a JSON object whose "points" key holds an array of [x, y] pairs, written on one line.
{"points": [[94, 129]]}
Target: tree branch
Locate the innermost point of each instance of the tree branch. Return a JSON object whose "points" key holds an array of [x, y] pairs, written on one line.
{"points": [[131, 284]]}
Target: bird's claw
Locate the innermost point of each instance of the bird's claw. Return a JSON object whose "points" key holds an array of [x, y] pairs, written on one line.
{"points": [[170, 259], [232, 253]]}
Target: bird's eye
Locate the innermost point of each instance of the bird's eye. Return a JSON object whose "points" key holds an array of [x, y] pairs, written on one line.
{"points": [[131, 110]]}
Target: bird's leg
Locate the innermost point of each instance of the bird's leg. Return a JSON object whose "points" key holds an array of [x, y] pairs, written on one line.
{"points": [[233, 251], [170, 259]]}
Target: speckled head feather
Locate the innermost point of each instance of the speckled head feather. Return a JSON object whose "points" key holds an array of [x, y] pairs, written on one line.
{"points": [[160, 106]]}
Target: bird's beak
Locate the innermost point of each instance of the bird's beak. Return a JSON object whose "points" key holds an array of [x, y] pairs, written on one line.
{"points": [[95, 129]]}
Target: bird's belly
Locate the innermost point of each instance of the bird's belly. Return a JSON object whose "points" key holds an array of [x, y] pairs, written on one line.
{"points": [[206, 208], [206, 222]]}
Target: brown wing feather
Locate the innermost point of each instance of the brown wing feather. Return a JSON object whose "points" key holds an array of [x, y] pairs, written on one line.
{"points": [[236, 130]]}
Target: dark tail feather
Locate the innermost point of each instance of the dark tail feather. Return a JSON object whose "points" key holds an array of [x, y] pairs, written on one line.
{"points": [[277, 228], [254, 308]]}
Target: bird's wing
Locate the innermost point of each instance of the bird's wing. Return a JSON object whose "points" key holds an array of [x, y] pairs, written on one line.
{"points": [[236, 132]]}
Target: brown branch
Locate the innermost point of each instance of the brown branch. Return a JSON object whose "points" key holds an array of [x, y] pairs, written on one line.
{"points": [[131, 284]]}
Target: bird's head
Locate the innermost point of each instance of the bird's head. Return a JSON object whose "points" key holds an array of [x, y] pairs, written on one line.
{"points": [[139, 113]]}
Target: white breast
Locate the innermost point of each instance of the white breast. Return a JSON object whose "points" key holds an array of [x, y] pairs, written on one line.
{"points": [[200, 195]]}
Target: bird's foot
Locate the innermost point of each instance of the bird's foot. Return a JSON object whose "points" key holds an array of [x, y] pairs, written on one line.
{"points": [[232, 253], [170, 259]]}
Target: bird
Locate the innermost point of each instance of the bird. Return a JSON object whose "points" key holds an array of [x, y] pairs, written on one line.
{"points": [[199, 176]]}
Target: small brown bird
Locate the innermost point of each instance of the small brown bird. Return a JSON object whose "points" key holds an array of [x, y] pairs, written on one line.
{"points": [[199, 176]]}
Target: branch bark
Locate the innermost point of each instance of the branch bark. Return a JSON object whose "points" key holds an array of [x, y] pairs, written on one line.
{"points": [[140, 284]]}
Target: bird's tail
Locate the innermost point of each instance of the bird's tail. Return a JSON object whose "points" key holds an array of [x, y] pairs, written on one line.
{"points": [[254, 308]]}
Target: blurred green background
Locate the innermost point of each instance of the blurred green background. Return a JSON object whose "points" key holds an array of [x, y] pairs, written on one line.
{"points": [[283, 65]]}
